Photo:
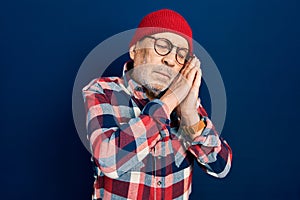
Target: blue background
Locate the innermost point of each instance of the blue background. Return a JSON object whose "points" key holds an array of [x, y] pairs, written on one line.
{"points": [[255, 45]]}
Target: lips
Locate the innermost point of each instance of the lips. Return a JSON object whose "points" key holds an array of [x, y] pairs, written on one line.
{"points": [[163, 74]]}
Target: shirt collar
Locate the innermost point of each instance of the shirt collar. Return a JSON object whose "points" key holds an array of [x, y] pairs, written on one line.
{"points": [[133, 87]]}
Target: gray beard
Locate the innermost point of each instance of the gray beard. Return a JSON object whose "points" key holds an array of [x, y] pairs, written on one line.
{"points": [[140, 75], [153, 92]]}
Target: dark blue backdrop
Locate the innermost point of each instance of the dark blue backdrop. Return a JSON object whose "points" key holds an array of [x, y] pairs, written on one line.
{"points": [[43, 43]]}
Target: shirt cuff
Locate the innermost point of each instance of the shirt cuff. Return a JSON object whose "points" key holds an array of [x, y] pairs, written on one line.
{"points": [[208, 137]]}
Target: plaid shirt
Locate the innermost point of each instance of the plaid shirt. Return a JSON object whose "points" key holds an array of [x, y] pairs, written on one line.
{"points": [[138, 150]]}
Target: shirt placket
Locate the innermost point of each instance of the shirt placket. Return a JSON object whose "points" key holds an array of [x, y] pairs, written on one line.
{"points": [[158, 182]]}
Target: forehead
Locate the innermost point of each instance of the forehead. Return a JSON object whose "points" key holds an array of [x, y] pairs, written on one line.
{"points": [[176, 39]]}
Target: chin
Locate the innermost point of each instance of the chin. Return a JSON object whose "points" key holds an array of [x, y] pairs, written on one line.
{"points": [[160, 87], [151, 89], [156, 90]]}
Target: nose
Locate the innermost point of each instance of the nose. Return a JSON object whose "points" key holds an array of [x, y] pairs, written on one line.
{"points": [[169, 60]]}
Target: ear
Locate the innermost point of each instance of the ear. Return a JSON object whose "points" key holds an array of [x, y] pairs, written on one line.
{"points": [[132, 52]]}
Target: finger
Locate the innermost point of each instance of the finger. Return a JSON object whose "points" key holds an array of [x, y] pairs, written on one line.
{"points": [[190, 60], [197, 81], [198, 63], [191, 76], [196, 84], [188, 65]]}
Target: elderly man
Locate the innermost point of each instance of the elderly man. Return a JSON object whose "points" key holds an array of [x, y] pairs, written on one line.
{"points": [[147, 127]]}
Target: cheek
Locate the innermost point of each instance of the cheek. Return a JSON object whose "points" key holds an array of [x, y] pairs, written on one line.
{"points": [[177, 69], [146, 55], [140, 56]]}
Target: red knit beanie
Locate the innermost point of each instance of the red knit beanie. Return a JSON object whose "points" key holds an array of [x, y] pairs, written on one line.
{"points": [[164, 20]]}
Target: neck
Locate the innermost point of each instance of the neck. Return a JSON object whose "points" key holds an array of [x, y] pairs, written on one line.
{"points": [[149, 94]]}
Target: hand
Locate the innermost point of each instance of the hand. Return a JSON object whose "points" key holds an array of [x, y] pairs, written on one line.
{"points": [[187, 109], [182, 84]]}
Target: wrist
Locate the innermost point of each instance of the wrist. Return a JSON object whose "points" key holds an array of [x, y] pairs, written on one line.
{"points": [[189, 112], [170, 101], [189, 119], [194, 130]]}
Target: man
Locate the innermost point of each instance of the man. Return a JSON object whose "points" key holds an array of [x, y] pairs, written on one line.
{"points": [[147, 127]]}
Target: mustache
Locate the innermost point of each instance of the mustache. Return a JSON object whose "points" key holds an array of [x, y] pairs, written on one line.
{"points": [[158, 68]]}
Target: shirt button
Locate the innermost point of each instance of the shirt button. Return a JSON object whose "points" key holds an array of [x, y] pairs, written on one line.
{"points": [[158, 183]]}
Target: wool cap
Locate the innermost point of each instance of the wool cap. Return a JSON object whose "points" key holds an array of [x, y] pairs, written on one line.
{"points": [[164, 20]]}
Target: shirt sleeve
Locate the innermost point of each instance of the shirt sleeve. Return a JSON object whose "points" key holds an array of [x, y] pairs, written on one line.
{"points": [[213, 154], [119, 144]]}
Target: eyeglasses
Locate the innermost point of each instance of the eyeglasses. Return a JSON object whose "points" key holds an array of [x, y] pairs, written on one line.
{"points": [[164, 46]]}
